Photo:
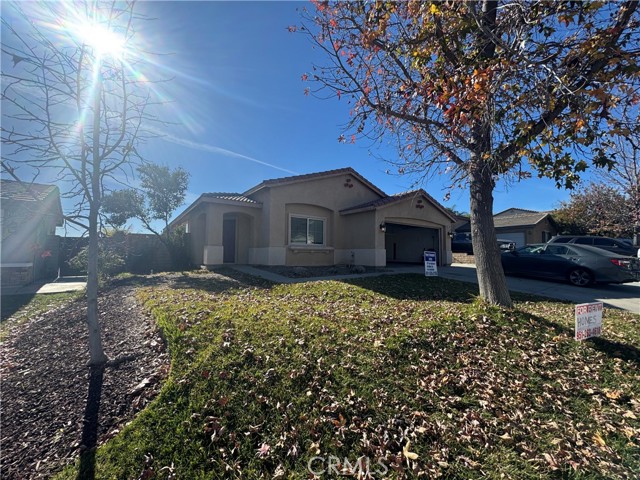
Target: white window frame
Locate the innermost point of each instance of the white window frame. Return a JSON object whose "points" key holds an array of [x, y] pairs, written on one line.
{"points": [[307, 218]]}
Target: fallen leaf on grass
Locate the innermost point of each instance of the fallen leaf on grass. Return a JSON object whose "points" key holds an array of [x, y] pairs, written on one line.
{"points": [[263, 451], [551, 461], [409, 455], [597, 438], [613, 394]]}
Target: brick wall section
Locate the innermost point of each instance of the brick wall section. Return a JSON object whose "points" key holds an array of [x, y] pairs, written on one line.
{"points": [[12, 276], [463, 258]]}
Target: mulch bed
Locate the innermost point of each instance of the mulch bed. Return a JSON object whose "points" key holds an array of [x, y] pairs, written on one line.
{"points": [[45, 378]]}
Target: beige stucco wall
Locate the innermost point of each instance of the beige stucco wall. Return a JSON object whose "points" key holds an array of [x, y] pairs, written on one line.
{"points": [[322, 198], [263, 233], [205, 226], [328, 193]]}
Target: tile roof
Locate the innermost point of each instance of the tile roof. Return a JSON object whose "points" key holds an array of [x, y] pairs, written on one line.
{"points": [[515, 217], [25, 192], [232, 197], [311, 176], [514, 211], [221, 197]]}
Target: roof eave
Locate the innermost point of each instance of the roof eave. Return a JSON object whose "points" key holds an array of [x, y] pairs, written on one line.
{"points": [[530, 224], [401, 198], [349, 211], [204, 198], [306, 178]]}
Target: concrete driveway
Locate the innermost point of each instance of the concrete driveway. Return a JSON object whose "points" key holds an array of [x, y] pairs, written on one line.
{"points": [[625, 296]]}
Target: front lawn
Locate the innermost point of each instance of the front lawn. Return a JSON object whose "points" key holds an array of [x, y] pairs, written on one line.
{"points": [[408, 375]]}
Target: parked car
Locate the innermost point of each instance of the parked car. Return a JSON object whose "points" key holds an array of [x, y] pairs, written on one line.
{"points": [[461, 243], [614, 245], [580, 265]]}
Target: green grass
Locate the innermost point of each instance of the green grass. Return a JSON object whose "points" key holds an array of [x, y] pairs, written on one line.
{"points": [[265, 379], [16, 309]]}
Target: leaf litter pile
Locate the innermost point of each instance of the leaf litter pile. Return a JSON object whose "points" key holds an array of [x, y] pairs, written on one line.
{"points": [[45, 380], [395, 377]]}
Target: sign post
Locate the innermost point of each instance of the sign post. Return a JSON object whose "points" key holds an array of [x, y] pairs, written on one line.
{"points": [[430, 264], [588, 320]]}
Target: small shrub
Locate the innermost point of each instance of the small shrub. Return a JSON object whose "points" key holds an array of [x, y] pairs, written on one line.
{"points": [[111, 261]]}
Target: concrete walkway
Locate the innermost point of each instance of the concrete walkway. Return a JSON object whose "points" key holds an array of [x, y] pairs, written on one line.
{"points": [[625, 297], [274, 277], [61, 285]]}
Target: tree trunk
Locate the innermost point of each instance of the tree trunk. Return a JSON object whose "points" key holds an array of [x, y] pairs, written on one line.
{"points": [[96, 353], [491, 279]]}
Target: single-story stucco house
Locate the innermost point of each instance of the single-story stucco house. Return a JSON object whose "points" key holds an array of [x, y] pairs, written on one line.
{"points": [[30, 213], [521, 226], [336, 217]]}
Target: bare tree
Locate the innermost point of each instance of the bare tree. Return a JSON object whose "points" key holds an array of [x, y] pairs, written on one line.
{"points": [[74, 102], [481, 90], [624, 176]]}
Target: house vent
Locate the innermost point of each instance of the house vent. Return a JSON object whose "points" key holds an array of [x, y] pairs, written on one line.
{"points": [[347, 183]]}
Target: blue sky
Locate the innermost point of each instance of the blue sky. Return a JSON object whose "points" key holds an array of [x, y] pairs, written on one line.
{"points": [[241, 115]]}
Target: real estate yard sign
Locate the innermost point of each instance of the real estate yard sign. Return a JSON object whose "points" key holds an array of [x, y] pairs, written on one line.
{"points": [[430, 265], [588, 320]]}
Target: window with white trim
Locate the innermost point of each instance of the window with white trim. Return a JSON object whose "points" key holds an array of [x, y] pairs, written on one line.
{"points": [[306, 230]]}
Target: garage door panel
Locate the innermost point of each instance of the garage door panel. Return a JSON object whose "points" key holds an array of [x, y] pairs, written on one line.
{"points": [[517, 237], [405, 243]]}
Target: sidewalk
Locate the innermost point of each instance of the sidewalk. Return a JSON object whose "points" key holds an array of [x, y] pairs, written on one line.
{"points": [[446, 272], [61, 285]]}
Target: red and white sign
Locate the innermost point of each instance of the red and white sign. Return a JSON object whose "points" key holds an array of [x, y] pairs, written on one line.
{"points": [[588, 320]]}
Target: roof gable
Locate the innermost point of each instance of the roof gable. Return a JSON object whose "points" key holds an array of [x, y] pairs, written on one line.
{"points": [[514, 211], [277, 182], [397, 198]]}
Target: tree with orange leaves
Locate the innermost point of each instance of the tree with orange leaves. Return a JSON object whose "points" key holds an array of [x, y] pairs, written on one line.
{"points": [[482, 90]]}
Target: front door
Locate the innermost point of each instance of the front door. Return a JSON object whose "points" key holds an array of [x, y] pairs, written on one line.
{"points": [[229, 240]]}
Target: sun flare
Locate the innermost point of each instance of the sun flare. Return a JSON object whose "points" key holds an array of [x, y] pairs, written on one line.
{"points": [[101, 39]]}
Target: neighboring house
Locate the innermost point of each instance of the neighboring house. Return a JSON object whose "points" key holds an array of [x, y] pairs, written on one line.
{"points": [[30, 213], [522, 226], [460, 222], [328, 218]]}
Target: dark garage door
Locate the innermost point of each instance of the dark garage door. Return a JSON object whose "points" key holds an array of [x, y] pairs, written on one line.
{"points": [[405, 243]]}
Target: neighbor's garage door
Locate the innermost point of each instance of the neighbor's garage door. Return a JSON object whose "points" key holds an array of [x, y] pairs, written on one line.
{"points": [[514, 237], [405, 243]]}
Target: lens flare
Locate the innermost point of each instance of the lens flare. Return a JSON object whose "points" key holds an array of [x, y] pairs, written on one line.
{"points": [[100, 38]]}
